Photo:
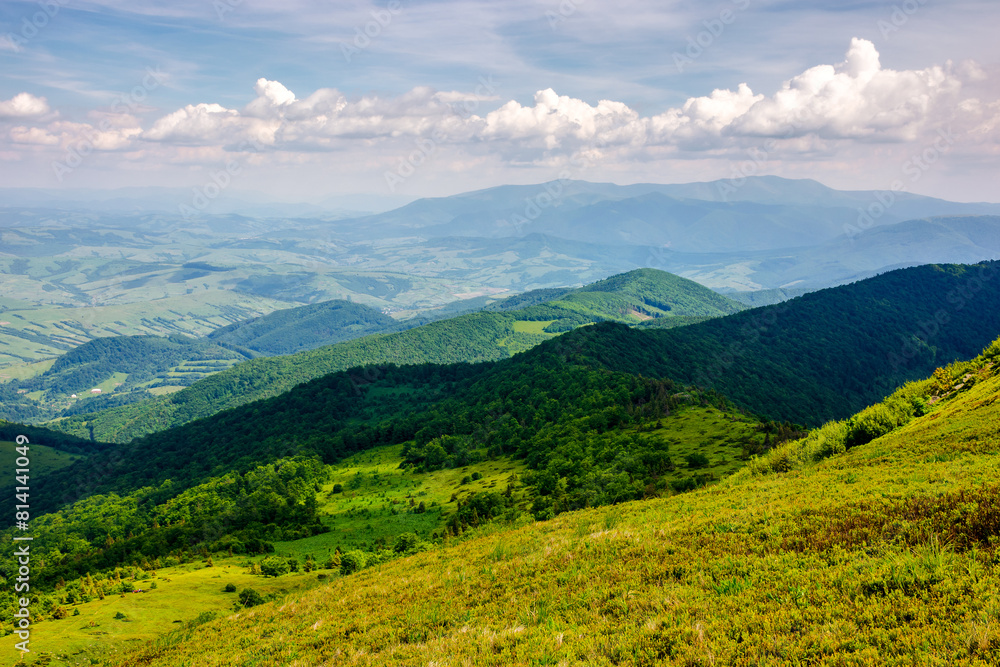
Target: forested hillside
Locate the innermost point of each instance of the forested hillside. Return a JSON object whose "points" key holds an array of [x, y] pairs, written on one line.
{"points": [[821, 356], [583, 415], [305, 327], [642, 295]]}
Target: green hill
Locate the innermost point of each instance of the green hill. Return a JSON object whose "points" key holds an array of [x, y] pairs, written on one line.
{"points": [[881, 553], [797, 370], [304, 328], [782, 549], [817, 357], [484, 336]]}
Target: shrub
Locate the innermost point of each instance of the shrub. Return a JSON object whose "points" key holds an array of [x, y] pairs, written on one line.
{"points": [[696, 460], [352, 561], [476, 476], [869, 424], [405, 542], [338, 488], [274, 566], [230, 588], [249, 597]]}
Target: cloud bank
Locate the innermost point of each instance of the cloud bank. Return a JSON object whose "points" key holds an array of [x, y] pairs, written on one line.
{"points": [[856, 102]]}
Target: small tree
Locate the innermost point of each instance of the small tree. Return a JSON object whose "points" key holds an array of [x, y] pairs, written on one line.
{"points": [[696, 460], [405, 543], [249, 597], [274, 566], [352, 561]]}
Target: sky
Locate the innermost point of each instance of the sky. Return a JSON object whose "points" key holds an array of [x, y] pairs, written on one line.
{"points": [[299, 100]]}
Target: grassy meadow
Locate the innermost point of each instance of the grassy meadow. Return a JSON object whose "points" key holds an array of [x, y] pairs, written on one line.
{"points": [[884, 554]]}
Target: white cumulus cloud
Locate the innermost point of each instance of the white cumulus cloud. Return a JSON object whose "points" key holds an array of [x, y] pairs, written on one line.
{"points": [[23, 105], [856, 99]]}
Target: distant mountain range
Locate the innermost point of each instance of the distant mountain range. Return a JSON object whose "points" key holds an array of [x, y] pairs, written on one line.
{"points": [[763, 213]]}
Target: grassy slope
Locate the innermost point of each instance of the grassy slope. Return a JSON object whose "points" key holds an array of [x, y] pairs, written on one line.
{"points": [[483, 336], [361, 516], [885, 554], [181, 594]]}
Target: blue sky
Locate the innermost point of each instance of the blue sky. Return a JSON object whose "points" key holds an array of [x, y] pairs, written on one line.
{"points": [[295, 100]]}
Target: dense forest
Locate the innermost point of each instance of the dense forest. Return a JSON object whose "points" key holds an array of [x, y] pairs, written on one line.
{"points": [[821, 356], [303, 328]]}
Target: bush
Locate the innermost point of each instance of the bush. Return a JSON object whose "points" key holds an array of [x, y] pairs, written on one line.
{"points": [[249, 597], [274, 566], [352, 561], [476, 476], [405, 542], [696, 460], [869, 424], [230, 588], [338, 488]]}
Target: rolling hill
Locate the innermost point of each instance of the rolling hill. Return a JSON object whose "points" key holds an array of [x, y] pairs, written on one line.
{"points": [[907, 473], [817, 357], [793, 361], [880, 553], [304, 328], [632, 298]]}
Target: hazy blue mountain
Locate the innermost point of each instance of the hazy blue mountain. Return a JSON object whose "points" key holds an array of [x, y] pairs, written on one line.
{"points": [[720, 216]]}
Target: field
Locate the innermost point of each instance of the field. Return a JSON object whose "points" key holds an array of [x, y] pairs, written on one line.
{"points": [[30, 335], [378, 500]]}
